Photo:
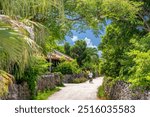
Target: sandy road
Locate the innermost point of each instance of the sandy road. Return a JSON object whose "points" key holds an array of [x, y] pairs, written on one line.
{"points": [[83, 91]]}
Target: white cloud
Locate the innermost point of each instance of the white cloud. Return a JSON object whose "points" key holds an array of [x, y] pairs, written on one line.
{"points": [[89, 43], [87, 40], [74, 38], [99, 53]]}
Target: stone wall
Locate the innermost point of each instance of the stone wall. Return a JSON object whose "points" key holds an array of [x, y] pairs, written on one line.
{"points": [[123, 91], [49, 81], [22, 92], [70, 77], [17, 92]]}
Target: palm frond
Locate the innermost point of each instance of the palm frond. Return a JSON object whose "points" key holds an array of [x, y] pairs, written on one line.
{"points": [[30, 8], [16, 44], [5, 82]]}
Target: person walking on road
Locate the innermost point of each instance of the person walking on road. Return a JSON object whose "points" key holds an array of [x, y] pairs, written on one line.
{"points": [[90, 77]]}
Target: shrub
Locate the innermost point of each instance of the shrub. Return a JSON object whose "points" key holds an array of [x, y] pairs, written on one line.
{"points": [[101, 92], [59, 83], [37, 67], [79, 80], [67, 67], [140, 72], [94, 68]]}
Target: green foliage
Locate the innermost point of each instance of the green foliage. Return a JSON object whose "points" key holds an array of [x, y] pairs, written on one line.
{"points": [[79, 80], [101, 92], [94, 68], [14, 48], [91, 14], [68, 67], [85, 56], [22, 43], [140, 69], [18, 44], [124, 9], [67, 48], [112, 47], [125, 46], [60, 48], [88, 66], [64, 68], [44, 95], [5, 82], [37, 67], [140, 72], [78, 51], [29, 8], [99, 67], [91, 55]]}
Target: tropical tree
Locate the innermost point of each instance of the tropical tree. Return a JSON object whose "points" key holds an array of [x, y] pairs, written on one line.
{"points": [[83, 54], [91, 55], [22, 39], [25, 26], [78, 51], [125, 51], [67, 48], [30, 9]]}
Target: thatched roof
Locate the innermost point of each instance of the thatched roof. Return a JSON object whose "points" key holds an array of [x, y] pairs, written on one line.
{"points": [[56, 55]]}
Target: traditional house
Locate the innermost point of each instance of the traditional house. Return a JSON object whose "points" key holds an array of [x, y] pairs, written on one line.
{"points": [[55, 58]]}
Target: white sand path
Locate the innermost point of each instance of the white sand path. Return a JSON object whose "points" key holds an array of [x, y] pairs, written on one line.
{"points": [[82, 91]]}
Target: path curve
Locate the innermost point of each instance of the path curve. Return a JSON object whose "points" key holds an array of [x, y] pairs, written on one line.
{"points": [[82, 91]]}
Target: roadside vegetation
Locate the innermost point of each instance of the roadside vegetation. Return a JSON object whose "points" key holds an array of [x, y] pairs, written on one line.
{"points": [[101, 93], [44, 95], [35, 28], [79, 80]]}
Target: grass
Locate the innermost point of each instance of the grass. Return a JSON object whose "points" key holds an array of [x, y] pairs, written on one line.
{"points": [[44, 95], [101, 93]]}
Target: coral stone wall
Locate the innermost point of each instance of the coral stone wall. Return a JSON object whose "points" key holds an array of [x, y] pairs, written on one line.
{"points": [[22, 92], [123, 91], [49, 81], [70, 77]]}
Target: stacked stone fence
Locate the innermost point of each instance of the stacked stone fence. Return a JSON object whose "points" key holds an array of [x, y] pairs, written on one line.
{"points": [[49, 81], [45, 82], [22, 92], [68, 78], [123, 91]]}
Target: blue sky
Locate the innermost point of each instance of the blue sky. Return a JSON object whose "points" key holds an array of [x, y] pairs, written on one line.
{"points": [[88, 36]]}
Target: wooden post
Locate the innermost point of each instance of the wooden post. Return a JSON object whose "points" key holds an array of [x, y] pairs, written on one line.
{"points": [[50, 60]]}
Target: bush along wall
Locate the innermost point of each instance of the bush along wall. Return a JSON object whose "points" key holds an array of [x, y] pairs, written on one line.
{"points": [[74, 78]]}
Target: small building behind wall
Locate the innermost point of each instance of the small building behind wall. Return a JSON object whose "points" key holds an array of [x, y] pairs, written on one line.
{"points": [[55, 58]]}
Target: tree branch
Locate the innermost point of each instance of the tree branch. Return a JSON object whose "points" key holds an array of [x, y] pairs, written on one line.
{"points": [[76, 19], [145, 22]]}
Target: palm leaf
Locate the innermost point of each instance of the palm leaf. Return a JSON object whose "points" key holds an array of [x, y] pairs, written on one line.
{"points": [[5, 82], [30, 8], [16, 46]]}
